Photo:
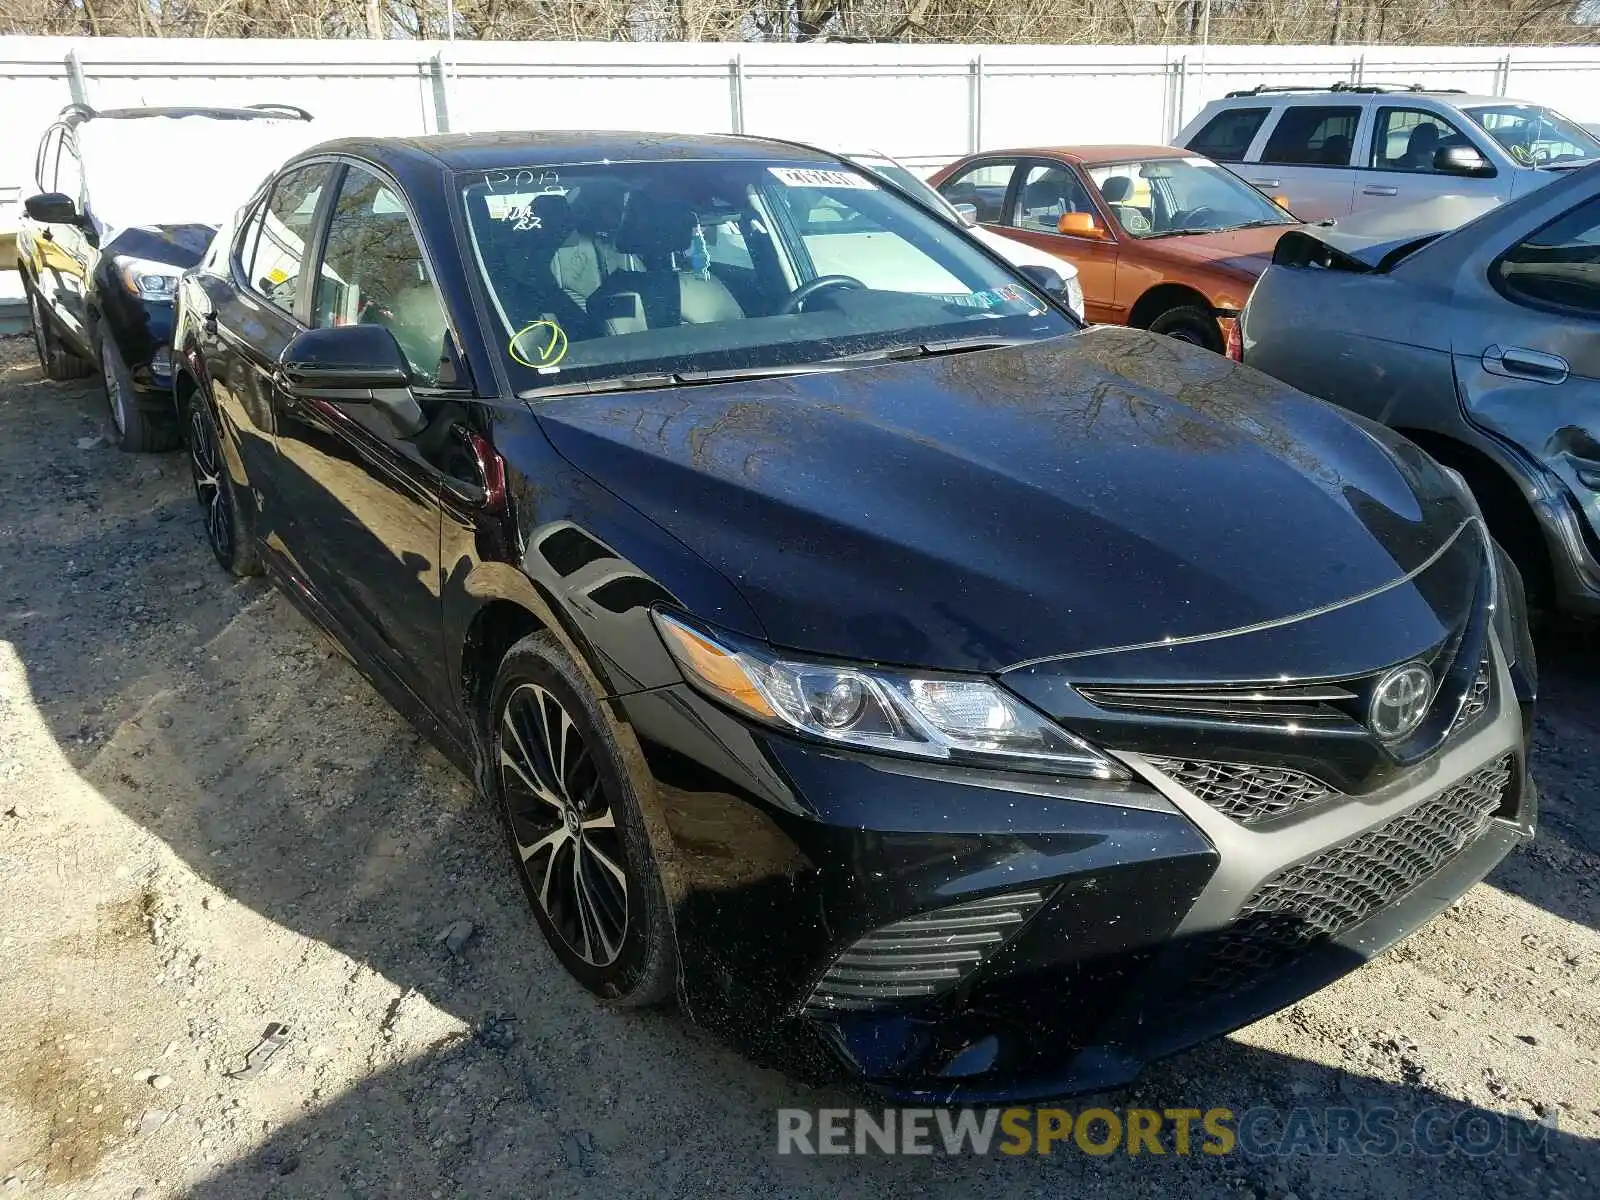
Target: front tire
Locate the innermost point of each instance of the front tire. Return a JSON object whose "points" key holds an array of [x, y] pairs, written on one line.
{"points": [[138, 429], [228, 528], [1188, 323], [576, 832]]}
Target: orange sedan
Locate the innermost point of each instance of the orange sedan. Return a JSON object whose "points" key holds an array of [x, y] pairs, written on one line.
{"points": [[1162, 238]]}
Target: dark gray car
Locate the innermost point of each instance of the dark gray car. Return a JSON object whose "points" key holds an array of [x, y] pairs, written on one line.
{"points": [[1481, 344]]}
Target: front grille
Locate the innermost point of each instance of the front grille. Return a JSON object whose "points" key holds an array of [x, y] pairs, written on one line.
{"points": [[923, 955], [1274, 702], [1248, 794], [1322, 897], [1476, 702]]}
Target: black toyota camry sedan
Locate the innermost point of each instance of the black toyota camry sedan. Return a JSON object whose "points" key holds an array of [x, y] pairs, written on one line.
{"points": [[910, 682]]}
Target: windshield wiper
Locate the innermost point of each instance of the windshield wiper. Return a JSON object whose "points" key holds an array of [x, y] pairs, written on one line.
{"points": [[647, 380], [1261, 224], [931, 349]]}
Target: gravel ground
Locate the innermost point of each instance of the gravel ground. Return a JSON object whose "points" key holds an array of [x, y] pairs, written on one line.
{"points": [[210, 823]]}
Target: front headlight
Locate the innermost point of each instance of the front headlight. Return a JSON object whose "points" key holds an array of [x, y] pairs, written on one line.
{"points": [[1074, 291], [950, 718], [149, 280]]}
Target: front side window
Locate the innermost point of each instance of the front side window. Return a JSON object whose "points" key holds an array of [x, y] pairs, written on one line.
{"points": [[69, 171], [609, 269], [373, 272], [1559, 266], [982, 185], [1227, 136], [1535, 136], [1406, 139], [1049, 192], [49, 155], [274, 265], [1165, 197], [1313, 135]]}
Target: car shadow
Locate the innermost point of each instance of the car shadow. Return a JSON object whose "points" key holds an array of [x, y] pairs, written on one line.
{"points": [[206, 711]]}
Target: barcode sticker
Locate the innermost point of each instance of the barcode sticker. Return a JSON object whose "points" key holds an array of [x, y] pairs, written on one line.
{"points": [[807, 177]]}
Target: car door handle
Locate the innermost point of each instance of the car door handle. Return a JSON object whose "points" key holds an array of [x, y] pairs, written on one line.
{"points": [[1267, 182], [1517, 362], [1374, 189]]}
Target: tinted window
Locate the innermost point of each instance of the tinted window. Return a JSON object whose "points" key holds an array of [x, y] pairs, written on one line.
{"points": [[1559, 265], [49, 151], [982, 185], [1048, 193], [274, 266], [1406, 139], [1313, 134], [374, 273], [1228, 135]]}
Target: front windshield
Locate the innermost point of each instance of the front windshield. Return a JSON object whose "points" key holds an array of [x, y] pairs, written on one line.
{"points": [[1535, 136], [598, 270], [1162, 197]]}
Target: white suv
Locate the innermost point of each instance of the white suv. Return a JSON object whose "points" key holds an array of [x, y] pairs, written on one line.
{"points": [[1360, 148]]}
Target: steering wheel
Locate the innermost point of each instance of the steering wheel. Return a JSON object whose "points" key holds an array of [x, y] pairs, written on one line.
{"points": [[1197, 216], [797, 298]]}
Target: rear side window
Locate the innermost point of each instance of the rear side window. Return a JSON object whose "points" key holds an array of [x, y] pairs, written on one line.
{"points": [[1227, 136], [1559, 266], [273, 268], [1313, 135]]}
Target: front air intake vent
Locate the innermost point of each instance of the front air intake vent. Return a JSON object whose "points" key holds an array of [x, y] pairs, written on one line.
{"points": [[1244, 792], [923, 955]]}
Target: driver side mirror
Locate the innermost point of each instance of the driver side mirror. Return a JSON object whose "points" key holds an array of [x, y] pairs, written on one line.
{"points": [[1080, 224], [1461, 160], [353, 364], [52, 208], [968, 213]]}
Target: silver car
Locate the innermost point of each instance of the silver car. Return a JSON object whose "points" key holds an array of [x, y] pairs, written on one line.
{"points": [[1481, 344]]}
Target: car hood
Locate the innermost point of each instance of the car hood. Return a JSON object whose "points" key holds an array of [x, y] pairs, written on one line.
{"points": [[1377, 240], [1245, 251], [179, 245], [979, 510]]}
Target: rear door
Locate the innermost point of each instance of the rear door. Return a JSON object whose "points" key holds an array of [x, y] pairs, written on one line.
{"points": [[1307, 157], [1046, 191], [1527, 347], [1229, 134], [1398, 165]]}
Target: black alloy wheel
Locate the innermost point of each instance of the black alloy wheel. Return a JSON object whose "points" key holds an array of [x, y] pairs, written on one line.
{"points": [[574, 825], [227, 531]]}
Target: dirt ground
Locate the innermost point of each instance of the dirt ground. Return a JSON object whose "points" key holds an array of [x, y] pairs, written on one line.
{"points": [[209, 823]]}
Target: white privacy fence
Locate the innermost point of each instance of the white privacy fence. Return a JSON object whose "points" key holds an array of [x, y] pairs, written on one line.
{"points": [[923, 103]]}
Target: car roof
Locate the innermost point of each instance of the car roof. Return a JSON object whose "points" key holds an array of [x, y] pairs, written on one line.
{"points": [[1247, 99], [1091, 155], [499, 151]]}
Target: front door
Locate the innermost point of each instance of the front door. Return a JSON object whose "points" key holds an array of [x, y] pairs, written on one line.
{"points": [[1047, 191], [1527, 349], [365, 502], [1399, 165]]}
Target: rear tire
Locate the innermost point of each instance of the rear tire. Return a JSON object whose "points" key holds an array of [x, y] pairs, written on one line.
{"points": [[1187, 323], [575, 829], [56, 361], [138, 429]]}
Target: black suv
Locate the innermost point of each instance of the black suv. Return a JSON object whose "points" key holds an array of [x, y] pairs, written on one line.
{"points": [[105, 239]]}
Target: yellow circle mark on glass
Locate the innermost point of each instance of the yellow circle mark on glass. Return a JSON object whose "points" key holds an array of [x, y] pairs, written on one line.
{"points": [[545, 350]]}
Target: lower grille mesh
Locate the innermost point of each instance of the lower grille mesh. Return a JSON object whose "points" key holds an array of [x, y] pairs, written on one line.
{"points": [[922, 955], [1336, 890], [1246, 793]]}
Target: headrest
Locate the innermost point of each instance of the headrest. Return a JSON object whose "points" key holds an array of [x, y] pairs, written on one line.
{"points": [[654, 229], [554, 213], [1116, 189]]}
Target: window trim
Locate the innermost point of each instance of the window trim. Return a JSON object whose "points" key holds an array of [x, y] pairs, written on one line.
{"points": [[1372, 143], [1363, 111], [56, 132], [1008, 203], [464, 385], [1561, 310], [68, 142], [1266, 111]]}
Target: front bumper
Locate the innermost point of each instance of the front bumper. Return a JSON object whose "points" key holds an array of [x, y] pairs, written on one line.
{"points": [[782, 856]]}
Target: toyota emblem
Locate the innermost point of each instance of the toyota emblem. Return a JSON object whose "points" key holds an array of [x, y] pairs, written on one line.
{"points": [[1400, 701]]}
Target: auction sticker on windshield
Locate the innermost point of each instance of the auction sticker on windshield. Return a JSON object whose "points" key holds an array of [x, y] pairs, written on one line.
{"points": [[807, 177]]}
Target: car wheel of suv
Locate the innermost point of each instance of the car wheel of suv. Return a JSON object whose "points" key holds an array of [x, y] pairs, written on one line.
{"points": [[138, 429], [55, 360], [1189, 324], [575, 829], [227, 527]]}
